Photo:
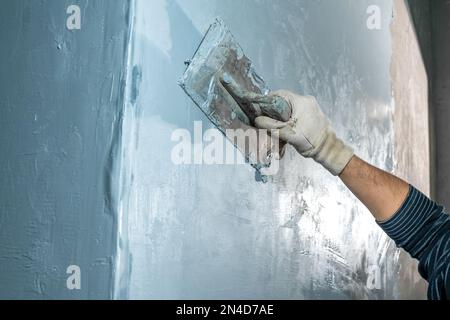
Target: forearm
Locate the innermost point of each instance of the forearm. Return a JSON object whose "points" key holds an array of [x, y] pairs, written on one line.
{"points": [[381, 192], [411, 219]]}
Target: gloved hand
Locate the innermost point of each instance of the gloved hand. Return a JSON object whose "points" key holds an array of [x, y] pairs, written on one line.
{"points": [[309, 132]]}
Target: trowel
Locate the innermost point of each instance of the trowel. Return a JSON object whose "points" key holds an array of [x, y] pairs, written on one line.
{"points": [[222, 82]]}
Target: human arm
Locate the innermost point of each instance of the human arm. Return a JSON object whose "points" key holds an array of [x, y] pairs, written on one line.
{"points": [[381, 192], [411, 219]]}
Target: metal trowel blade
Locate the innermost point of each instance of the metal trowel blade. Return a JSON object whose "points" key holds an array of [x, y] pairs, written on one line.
{"points": [[220, 54]]}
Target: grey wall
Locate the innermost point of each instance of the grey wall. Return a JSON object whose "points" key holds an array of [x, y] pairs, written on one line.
{"points": [[440, 12], [432, 20], [60, 97], [212, 231], [421, 13]]}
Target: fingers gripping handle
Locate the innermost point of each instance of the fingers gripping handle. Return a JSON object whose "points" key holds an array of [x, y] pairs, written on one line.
{"points": [[277, 108], [256, 105]]}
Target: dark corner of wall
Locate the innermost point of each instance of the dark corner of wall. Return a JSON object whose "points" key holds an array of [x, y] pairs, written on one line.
{"points": [[422, 16]]}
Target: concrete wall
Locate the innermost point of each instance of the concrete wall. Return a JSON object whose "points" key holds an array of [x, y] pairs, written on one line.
{"points": [[441, 97], [432, 25], [421, 13], [61, 95], [410, 87], [213, 231]]}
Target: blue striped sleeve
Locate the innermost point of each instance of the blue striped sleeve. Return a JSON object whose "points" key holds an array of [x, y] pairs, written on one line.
{"points": [[422, 228]]}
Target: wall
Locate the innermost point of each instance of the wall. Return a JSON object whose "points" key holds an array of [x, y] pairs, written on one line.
{"points": [[87, 118], [432, 21], [441, 97], [61, 99], [421, 16], [411, 94], [412, 121], [213, 231]]}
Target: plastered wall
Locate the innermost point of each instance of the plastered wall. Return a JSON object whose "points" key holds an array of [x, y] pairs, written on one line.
{"points": [[61, 96], [196, 231]]}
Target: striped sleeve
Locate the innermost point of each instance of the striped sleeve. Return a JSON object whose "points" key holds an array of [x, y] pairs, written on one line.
{"points": [[422, 228]]}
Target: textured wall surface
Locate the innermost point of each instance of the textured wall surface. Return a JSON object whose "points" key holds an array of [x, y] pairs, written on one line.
{"points": [[410, 88], [421, 13], [441, 96], [212, 231], [60, 98]]}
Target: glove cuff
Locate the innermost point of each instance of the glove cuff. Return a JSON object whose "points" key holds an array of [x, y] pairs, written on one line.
{"points": [[333, 154]]}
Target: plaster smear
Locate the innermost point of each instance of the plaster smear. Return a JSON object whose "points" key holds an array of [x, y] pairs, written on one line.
{"points": [[213, 232]]}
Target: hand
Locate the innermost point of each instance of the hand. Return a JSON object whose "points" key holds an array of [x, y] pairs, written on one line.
{"points": [[309, 132], [254, 104]]}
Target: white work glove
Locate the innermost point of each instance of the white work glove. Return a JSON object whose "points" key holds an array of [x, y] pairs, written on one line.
{"points": [[309, 132]]}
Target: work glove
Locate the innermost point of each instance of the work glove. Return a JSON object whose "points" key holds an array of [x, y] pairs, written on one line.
{"points": [[309, 132]]}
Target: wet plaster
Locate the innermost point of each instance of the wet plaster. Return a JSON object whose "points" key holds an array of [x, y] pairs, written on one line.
{"points": [[211, 232], [61, 97]]}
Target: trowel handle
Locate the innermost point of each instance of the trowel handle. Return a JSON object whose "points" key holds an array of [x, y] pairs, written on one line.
{"points": [[255, 104]]}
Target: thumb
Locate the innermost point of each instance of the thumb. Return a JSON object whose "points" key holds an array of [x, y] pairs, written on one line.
{"points": [[269, 123]]}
